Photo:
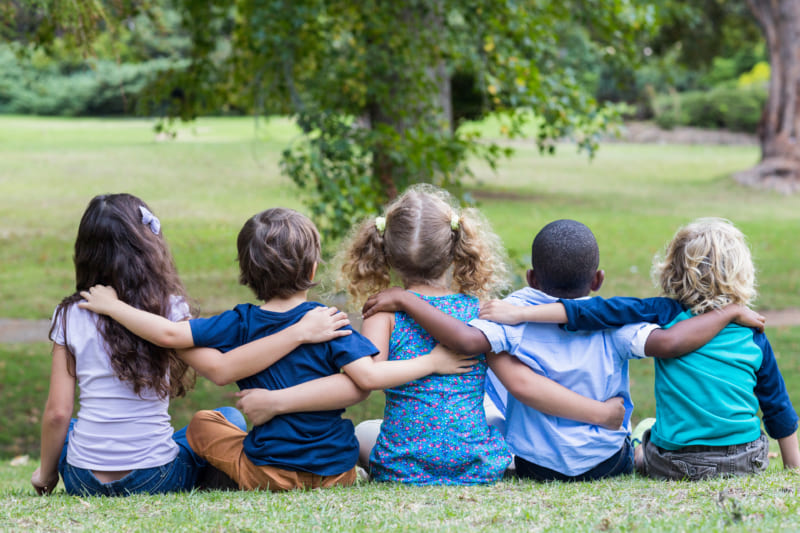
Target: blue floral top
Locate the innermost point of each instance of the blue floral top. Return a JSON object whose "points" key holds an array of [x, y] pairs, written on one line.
{"points": [[434, 429]]}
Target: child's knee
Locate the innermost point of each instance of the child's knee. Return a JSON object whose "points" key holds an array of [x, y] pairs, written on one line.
{"points": [[233, 416]]}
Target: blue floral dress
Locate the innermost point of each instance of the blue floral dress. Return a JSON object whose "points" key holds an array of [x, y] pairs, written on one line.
{"points": [[434, 429]]}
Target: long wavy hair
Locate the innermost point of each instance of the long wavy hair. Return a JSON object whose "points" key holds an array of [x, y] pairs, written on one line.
{"points": [[114, 247], [707, 265], [423, 235]]}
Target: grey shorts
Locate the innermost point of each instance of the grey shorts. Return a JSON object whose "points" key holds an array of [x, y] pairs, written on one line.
{"points": [[703, 462]]}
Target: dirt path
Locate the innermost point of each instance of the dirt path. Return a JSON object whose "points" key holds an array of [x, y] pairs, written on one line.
{"points": [[13, 330]]}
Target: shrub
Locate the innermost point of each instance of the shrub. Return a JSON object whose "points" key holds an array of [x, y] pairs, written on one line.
{"points": [[728, 107], [103, 88]]}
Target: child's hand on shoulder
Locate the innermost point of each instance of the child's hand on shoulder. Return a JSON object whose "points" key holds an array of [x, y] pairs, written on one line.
{"points": [[502, 312], [100, 299], [744, 316], [388, 300], [446, 361], [322, 324]]}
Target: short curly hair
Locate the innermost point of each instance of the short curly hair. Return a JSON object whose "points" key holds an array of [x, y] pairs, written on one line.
{"points": [[278, 249], [565, 257], [707, 265]]}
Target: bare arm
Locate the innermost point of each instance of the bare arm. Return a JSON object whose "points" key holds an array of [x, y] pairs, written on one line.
{"points": [[789, 451], [318, 325], [378, 373], [689, 335], [324, 394], [157, 329], [549, 397], [446, 329], [55, 421]]}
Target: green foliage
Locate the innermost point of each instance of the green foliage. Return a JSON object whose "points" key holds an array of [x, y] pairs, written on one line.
{"points": [[48, 72], [367, 82], [734, 108], [759, 75], [100, 88]]}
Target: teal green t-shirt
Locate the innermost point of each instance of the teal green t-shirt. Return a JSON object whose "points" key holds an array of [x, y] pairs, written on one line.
{"points": [[707, 397]]}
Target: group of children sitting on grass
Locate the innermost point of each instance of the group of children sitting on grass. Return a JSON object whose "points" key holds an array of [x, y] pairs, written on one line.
{"points": [[539, 379]]}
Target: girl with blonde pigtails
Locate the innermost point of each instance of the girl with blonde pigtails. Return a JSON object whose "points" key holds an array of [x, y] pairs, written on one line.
{"points": [[434, 429]]}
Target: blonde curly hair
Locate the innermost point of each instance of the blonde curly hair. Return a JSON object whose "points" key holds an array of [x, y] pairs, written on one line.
{"points": [[421, 236], [707, 265]]}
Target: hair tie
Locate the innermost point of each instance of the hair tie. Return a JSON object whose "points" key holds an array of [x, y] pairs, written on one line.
{"points": [[454, 221], [380, 224], [149, 219]]}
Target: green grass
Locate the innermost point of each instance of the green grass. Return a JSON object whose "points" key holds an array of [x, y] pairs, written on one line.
{"points": [[767, 502], [220, 171]]}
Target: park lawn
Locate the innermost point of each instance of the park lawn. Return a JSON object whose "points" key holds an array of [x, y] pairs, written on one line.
{"points": [[220, 171], [767, 502]]}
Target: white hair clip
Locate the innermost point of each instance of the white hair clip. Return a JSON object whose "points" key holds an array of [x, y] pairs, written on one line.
{"points": [[150, 220], [380, 224], [454, 221]]}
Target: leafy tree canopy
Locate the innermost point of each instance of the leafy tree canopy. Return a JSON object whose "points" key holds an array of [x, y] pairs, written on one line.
{"points": [[378, 87]]}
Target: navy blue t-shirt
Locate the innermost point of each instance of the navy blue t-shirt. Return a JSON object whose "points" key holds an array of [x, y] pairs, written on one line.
{"points": [[320, 442]]}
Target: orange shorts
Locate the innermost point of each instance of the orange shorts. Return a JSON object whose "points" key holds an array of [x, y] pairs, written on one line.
{"points": [[222, 444]]}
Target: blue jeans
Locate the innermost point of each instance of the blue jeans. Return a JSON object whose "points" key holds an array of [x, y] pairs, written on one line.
{"points": [[178, 475], [616, 465]]}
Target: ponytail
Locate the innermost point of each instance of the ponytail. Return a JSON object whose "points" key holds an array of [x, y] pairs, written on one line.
{"points": [[365, 268], [479, 266]]}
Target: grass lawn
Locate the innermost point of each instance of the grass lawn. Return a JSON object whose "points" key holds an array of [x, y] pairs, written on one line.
{"points": [[767, 502], [218, 172]]}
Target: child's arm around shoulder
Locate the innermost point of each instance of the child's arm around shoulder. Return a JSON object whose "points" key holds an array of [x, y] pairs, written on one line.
{"points": [[689, 335], [446, 329], [157, 329], [379, 373], [682, 338], [320, 324], [504, 312]]}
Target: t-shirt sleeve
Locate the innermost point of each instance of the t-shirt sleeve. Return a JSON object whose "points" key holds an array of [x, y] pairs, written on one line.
{"points": [[501, 337], [629, 340], [780, 418], [57, 328], [179, 309], [345, 350], [222, 331], [600, 313]]}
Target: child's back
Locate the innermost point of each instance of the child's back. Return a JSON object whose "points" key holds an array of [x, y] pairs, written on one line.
{"points": [[593, 364], [322, 442], [715, 382], [434, 429]]}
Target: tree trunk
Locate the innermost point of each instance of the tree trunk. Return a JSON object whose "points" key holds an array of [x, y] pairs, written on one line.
{"points": [[779, 130]]}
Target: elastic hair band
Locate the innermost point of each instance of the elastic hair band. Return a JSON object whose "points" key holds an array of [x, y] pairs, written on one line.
{"points": [[149, 219], [380, 224], [454, 221]]}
